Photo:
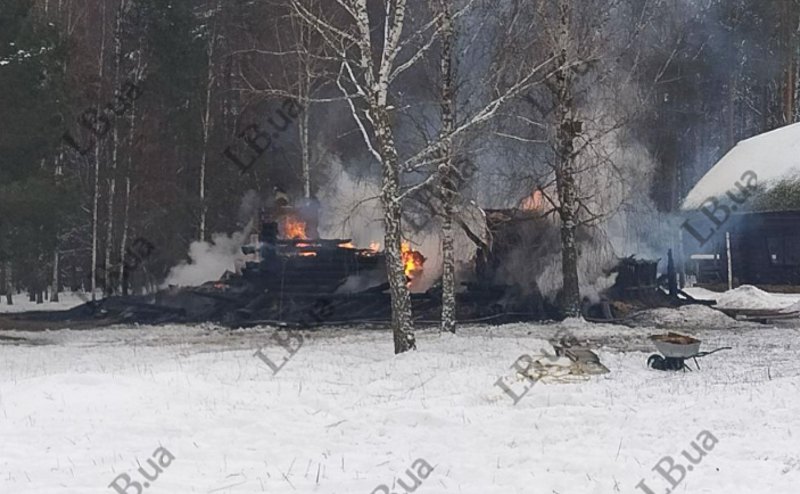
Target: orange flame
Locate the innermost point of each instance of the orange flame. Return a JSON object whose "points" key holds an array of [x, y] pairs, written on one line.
{"points": [[533, 202], [294, 228], [412, 261], [373, 250]]}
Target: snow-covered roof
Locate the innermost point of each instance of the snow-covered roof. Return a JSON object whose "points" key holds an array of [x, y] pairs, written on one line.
{"points": [[773, 157]]}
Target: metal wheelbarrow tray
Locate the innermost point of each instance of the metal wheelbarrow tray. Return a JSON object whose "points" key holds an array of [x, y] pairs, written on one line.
{"points": [[675, 349]]}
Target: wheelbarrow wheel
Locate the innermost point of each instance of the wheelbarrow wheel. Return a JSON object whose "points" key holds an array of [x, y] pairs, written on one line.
{"points": [[657, 362]]}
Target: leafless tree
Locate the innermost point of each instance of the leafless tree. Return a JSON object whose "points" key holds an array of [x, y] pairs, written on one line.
{"points": [[369, 67], [569, 118], [447, 170], [294, 64]]}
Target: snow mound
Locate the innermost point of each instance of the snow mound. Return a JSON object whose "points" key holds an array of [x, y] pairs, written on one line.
{"points": [[688, 316], [750, 297], [795, 307]]}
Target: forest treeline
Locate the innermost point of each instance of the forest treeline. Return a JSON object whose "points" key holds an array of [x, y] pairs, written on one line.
{"points": [[131, 120]]}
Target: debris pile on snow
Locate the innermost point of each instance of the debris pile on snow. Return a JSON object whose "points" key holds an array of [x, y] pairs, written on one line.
{"points": [[549, 369], [693, 316], [750, 297]]}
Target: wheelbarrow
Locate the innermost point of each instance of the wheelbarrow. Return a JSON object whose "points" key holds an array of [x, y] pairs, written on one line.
{"points": [[675, 350]]}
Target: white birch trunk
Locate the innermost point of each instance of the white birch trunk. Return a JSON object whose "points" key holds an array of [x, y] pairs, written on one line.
{"points": [[112, 176], [402, 323], [305, 93], [568, 129], [96, 184], [123, 274], [447, 184], [124, 281], [376, 80], [206, 121], [57, 172], [306, 152], [9, 281], [54, 284]]}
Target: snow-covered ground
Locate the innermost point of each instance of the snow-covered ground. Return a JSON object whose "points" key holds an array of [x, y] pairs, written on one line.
{"points": [[66, 300], [344, 415]]}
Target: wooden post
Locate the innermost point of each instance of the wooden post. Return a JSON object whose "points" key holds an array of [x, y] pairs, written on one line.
{"points": [[672, 275], [730, 263], [682, 282]]}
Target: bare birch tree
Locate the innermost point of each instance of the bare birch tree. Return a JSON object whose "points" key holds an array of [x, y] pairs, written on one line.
{"points": [[97, 157], [369, 67], [115, 145], [207, 117], [304, 70], [8, 280], [571, 116], [138, 74], [568, 128], [447, 182]]}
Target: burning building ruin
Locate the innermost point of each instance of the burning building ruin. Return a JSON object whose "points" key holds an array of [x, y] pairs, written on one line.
{"points": [[287, 270]]}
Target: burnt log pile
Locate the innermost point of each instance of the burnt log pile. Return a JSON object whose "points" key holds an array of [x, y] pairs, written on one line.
{"points": [[305, 283], [638, 287], [293, 283]]}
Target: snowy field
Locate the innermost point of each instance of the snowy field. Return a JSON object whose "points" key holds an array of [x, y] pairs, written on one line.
{"points": [[344, 415], [66, 300]]}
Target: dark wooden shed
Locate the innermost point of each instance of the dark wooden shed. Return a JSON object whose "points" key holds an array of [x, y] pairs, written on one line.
{"points": [[765, 250]]}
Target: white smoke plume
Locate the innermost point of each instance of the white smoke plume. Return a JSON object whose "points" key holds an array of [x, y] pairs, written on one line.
{"points": [[208, 261], [351, 207]]}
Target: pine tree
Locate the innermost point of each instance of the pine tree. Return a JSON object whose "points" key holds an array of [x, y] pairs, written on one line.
{"points": [[32, 203]]}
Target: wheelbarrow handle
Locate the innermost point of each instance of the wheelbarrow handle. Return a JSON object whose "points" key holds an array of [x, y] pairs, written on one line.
{"points": [[704, 354]]}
